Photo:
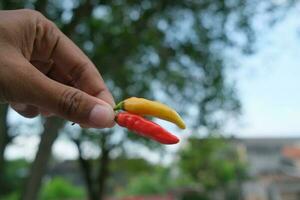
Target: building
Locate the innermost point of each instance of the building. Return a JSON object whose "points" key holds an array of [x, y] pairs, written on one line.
{"points": [[273, 168]]}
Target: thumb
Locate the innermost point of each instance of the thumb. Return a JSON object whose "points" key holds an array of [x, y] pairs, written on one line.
{"points": [[78, 106], [67, 102]]}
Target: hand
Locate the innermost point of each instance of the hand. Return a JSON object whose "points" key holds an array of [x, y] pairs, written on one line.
{"points": [[42, 71]]}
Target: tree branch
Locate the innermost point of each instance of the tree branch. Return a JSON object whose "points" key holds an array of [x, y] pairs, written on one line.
{"points": [[103, 172]]}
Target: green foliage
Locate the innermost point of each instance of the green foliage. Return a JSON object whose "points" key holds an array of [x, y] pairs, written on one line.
{"points": [[211, 162], [158, 181], [11, 196], [131, 166], [15, 172], [59, 188], [123, 169], [145, 185]]}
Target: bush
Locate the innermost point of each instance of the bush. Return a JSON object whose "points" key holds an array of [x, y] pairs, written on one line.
{"points": [[11, 196], [59, 188]]}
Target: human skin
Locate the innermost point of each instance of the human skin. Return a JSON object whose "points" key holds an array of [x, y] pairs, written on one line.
{"points": [[44, 72]]}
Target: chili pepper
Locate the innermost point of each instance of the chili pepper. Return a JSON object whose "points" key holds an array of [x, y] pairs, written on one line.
{"points": [[145, 128], [143, 107]]}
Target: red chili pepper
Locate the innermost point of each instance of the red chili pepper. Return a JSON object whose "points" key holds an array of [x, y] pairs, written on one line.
{"points": [[145, 128]]}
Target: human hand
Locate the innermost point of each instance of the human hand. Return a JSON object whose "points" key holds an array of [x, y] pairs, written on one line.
{"points": [[42, 71]]}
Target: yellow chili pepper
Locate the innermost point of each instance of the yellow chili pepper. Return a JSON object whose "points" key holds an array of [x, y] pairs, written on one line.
{"points": [[142, 106]]}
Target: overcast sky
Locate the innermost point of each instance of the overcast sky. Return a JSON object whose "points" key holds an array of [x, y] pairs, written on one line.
{"points": [[269, 82]]}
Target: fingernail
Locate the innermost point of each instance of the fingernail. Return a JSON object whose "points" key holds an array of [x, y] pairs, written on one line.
{"points": [[102, 116]]}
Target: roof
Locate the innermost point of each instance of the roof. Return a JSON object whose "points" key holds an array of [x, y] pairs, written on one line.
{"points": [[292, 152]]}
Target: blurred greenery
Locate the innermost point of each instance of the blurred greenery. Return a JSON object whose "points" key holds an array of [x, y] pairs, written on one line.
{"points": [[203, 167], [55, 189], [11, 196], [16, 171], [59, 189], [145, 185], [156, 181], [211, 162]]}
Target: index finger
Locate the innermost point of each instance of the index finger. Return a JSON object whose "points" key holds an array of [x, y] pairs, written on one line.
{"points": [[75, 64]]}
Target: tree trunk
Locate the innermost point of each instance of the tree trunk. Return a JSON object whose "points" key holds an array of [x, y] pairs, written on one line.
{"points": [[39, 166], [103, 172], [4, 140], [86, 171], [95, 188]]}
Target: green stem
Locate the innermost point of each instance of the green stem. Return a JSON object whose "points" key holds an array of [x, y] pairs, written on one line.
{"points": [[119, 106]]}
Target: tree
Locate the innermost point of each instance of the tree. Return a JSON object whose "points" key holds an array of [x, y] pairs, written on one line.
{"points": [[38, 168], [137, 47], [212, 163]]}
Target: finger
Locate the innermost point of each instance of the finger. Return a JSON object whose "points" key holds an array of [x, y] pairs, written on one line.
{"points": [[43, 66], [28, 111], [57, 73], [68, 102], [50, 69], [84, 74], [70, 59]]}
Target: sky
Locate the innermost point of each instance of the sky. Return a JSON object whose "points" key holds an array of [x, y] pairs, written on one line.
{"points": [[268, 84]]}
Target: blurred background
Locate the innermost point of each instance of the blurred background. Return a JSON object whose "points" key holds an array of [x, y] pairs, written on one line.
{"points": [[231, 68]]}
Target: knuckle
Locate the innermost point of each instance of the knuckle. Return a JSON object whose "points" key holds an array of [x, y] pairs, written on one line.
{"points": [[52, 36], [51, 26], [31, 13], [70, 101], [47, 38], [46, 24]]}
